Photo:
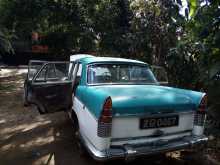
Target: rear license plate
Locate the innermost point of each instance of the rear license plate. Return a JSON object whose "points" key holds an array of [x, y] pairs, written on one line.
{"points": [[159, 122]]}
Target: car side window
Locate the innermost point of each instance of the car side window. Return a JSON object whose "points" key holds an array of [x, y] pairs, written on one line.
{"points": [[53, 72]]}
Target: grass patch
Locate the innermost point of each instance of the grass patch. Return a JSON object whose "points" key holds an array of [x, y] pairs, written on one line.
{"points": [[7, 87]]}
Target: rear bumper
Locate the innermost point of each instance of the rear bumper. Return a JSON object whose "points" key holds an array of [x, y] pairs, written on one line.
{"points": [[130, 151]]}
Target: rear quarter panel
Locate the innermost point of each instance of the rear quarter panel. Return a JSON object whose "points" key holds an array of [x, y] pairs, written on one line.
{"points": [[92, 99], [88, 106], [195, 96]]}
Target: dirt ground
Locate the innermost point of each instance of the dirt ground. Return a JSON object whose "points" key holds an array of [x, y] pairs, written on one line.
{"points": [[26, 137]]}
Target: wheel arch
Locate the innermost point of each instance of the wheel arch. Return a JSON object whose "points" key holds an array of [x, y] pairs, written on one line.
{"points": [[74, 118]]}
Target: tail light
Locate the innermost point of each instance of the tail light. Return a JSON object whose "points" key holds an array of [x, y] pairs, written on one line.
{"points": [[200, 116], [105, 119], [203, 104]]}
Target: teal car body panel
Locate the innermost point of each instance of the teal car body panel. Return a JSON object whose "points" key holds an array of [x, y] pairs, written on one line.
{"points": [[91, 99], [134, 99]]}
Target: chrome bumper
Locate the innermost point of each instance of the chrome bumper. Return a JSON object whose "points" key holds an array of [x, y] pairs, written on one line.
{"points": [[131, 151]]}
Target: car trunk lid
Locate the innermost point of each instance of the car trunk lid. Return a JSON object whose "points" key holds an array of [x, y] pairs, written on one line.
{"points": [[146, 99]]}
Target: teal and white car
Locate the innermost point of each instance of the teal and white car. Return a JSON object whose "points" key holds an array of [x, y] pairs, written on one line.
{"points": [[118, 108]]}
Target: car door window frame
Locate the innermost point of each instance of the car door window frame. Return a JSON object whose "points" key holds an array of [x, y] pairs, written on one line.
{"points": [[55, 82], [30, 64], [74, 74]]}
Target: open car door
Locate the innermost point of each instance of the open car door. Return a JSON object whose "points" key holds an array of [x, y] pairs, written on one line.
{"points": [[50, 87], [33, 67]]}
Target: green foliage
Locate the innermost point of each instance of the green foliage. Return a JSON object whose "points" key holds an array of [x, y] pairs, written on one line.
{"points": [[194, 4], [154, 26], [142, 29], [205, 29], [45, 17], [200, 43], [182, 64], [107, 25], [5, 44], [195, 61]]}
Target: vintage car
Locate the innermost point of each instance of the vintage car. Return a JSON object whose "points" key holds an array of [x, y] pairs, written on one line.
{"points": [[118, 108]]}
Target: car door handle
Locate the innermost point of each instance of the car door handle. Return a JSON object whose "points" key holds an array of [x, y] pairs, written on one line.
{"points": [[50, 96]]}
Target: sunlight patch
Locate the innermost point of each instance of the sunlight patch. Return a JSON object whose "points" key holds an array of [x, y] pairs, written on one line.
{"points": [[2, 121], [47, 159]]}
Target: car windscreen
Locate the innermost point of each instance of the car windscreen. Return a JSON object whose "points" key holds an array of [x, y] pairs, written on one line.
{"points": [[120, 74]]}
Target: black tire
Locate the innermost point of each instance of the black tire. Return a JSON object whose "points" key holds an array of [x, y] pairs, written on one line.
{"points": [[41, 109], [80, 147], [25, 102]]}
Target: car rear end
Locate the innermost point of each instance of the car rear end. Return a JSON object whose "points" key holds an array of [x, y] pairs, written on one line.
{"points": [[131, 136]]}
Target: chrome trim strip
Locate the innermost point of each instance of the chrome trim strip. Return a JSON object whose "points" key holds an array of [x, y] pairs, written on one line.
{"points": [[130, 151], [147, 114], [52, 83], [150, 136]]}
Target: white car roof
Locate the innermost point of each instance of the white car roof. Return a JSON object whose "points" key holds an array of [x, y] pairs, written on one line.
{"points": [[79, 56]]}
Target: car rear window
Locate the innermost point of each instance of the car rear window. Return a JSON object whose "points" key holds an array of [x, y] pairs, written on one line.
{"points": [[120, 74]]}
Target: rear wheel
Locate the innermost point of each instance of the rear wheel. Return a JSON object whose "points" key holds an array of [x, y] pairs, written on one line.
{"points": [[25, 103], [80, 147]]}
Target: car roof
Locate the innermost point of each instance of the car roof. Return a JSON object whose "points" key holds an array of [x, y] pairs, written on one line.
{"points": [[89, 60], [79, 56]]}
